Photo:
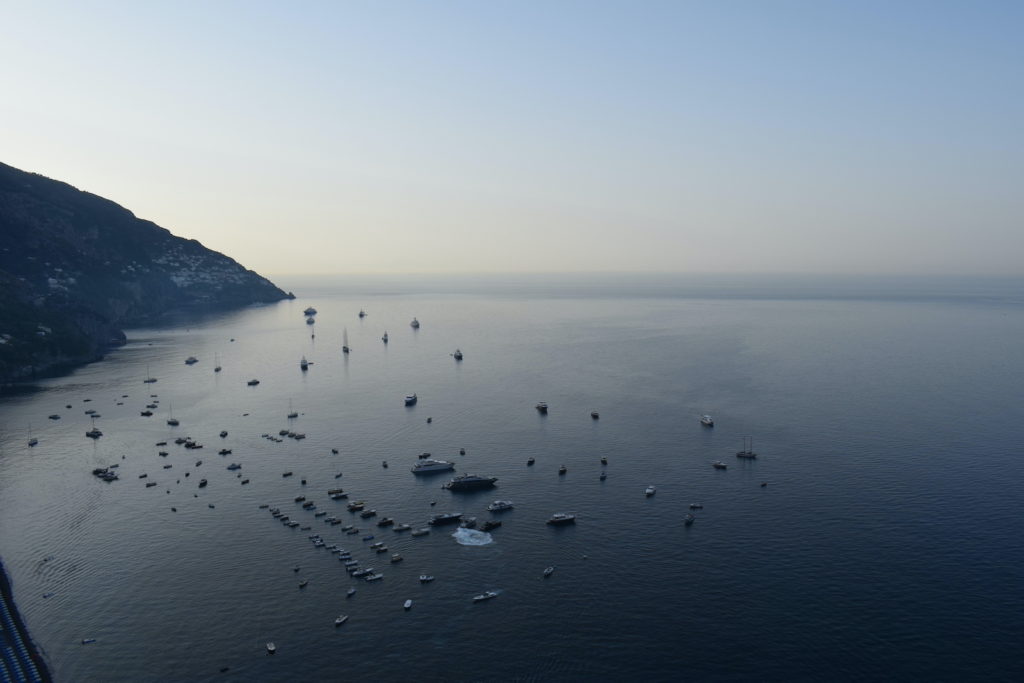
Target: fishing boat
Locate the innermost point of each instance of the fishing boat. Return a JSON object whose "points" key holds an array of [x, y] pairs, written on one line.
{"points": [[748, 449]]}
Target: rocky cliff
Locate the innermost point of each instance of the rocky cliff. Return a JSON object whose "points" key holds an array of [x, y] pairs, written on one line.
{"points": [[75, 268]]}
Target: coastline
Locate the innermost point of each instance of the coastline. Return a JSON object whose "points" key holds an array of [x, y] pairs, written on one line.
{"points": [[25, 662]]}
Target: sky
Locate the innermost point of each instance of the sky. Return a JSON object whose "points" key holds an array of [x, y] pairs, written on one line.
{"points": [[724, 136]]}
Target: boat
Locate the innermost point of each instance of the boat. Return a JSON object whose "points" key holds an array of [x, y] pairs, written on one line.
{"points": [[490, 524], [650, 491], [719, 465], [563, 469], [149, 379], [374, 577], [32, 441], [253, 382], [499, 505], [344, 341], [604, 475], [223, 433], [421, 532], [350, 593], [55, 417], [216, 362], [707, 421], [234, 466], [395, 557], [429, 465], [486, 595], [748, 449], [271, 648], [309, 311], [561, 518], [173, 421], [604, 460], [303, 583], [191, 360], [304, 364], [530, 461], [407, 604], [202, 483], [292, 414], [385, 337], [411, 399], [457, 355], [689, 519], [415, 324], [594, 415], [426, 578], [470, 482], [94, 433], [548, 571], [146, 413], [542, 408], [446, 518], [362, 313], [696, 506], [310, 320], [342, 618]]}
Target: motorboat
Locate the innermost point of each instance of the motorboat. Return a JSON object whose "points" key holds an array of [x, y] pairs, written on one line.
{"points": [[385, 337], [561, 518], [499, 505], [429, 465], [350, 593], [310, 320], [604, 475], [707, 421], [563, 469], [411, 399], [341, 620], [604, 460], [146, 413], [303, 583], [309, 311], [304, 364], [415, 324], [202, 483], [649, 491], [446, 518], [486, 595], [362, 313], [457, 355], [426, 578], [271, 648], [223, 433], [470, 482], [490, 524], [719, 465], [548, 571], [191, 360], [542, 408], [253, 382], [689, 519], [421, 532], [407, 604], [395, 557], [594, 415], [530, 461]]}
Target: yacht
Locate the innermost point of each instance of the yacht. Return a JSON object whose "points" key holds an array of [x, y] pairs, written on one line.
{"points": [[411, 399], [748, 449], [649, 491], [415, 324], [487, 595], [407, 604], [707, 421], [457, 355], [292, 413], [343, 618], [344, 342], [470, 482], [561, 518], [427, 466], [446, 518], [499, 505], [542, 408]]}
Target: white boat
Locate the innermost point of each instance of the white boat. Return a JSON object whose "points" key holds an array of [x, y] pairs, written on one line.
{"points": [[429, 465], [350, 593], [548, 571], [341, 620], [719, 465], [415, 324], [486, 595], [411, 399], [561, 518], [650, 491], [271, 648], [426, 578], [499, 505], [707, 421], [407, 604]]}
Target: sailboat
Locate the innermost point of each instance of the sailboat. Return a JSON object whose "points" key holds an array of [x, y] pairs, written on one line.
{"points": [[32, 441], [748, 449], [385, 337], [94, 433], [291, 411], [344, 341], [148, 380], [216, 361], [173, 421]]}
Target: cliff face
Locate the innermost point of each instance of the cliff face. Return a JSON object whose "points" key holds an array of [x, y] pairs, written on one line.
{"points": [[75, 268]]}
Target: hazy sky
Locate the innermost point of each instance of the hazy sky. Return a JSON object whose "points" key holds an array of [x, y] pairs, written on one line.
{"points": [[482, 136]]}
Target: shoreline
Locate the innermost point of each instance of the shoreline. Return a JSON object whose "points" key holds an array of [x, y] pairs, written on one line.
{"points": [[28, 662]]}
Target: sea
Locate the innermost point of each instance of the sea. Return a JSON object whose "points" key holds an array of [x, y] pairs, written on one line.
{"points": [[877, 535]]}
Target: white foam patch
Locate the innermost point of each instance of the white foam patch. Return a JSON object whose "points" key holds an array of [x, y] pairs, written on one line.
{"points": [[472, 537]]}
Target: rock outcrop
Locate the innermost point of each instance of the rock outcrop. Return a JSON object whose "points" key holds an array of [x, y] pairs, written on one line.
{"points": [[76, 268]]}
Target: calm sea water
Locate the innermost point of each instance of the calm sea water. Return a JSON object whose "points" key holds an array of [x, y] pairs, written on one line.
{"points": [[887, 543]]}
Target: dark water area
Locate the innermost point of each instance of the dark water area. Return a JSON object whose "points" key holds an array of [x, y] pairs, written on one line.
{"points": [[886, 544]]}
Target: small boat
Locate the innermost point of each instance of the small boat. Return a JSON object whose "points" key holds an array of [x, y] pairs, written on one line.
{"points": [[457, 355], [32, 441], [344, 343], [407, 604], [421, 532], [292, 414], [191, 360], [146, 413], [562, 469], [216, 362], [223, 433], [55, 417], [202, 483], [696, 506], [224, 451], [548, 571], [426, 578], [530, 461], [604, 475], [341, 620], [707, 421], [271, 648], [490, 524], [650, 491], [234, 466], [253, 382], [594, 415], [362, 313], [304, 364], [415, 324], [604, 460], [689, 519], [374, 577], [719, 465], [303, 583], [487, 595], [542, 408], [310, 320], [385, 337], [748, 449], [499, 505], [411, 399], [309, 311], [149, 379], [350, 592], [87, 641], [561, 518]]}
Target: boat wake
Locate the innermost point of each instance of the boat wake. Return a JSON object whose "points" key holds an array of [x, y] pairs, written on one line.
{"points": [[472, 537]]}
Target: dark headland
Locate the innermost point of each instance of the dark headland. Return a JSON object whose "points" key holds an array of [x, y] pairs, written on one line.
{"points": [[23, 662], [75, 269]]}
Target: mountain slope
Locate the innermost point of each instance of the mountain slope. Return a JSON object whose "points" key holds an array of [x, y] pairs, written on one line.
{"points": [[75, 268]]}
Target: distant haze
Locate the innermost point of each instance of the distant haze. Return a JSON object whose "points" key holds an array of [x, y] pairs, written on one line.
{"points": [[479, 137]]}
